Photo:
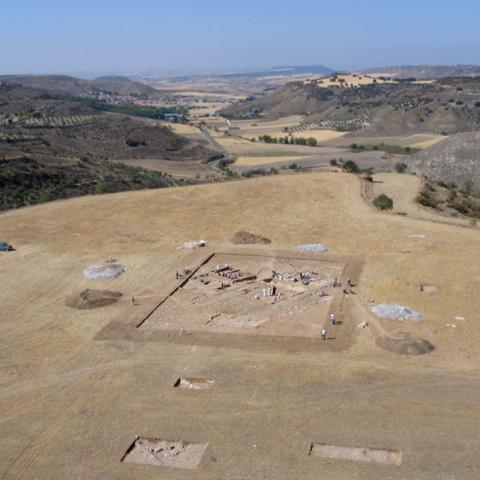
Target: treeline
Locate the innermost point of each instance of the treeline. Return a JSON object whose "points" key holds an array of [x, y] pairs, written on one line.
{"points": [[138, 110], [25, 181], [310, 141]]}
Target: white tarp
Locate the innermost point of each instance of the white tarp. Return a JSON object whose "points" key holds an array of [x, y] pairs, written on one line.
{"points": [[103, 271], [396, 312], [312, 248]]}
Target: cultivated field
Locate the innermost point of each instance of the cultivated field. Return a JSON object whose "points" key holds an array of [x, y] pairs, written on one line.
{"points": [[78, 386], [257, 154], [419, 140]]}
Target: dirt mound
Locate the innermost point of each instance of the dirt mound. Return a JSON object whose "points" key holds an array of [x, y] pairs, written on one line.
{"points": [[246, 238], [93, 299], [405, 343]]}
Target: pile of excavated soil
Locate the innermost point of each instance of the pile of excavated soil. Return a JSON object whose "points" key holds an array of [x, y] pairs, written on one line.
{"points": [[405, 343], [396, 312], [245, 238], [93, 299]]}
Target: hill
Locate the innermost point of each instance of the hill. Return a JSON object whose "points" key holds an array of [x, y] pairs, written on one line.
{"points": [[447, 106], [118, 85], [122, 86], [284, 71], [425, 72], [56, 146], [455, 160]]}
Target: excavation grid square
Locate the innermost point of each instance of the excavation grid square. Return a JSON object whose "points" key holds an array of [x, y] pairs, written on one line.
{"points": [[254, 295]]}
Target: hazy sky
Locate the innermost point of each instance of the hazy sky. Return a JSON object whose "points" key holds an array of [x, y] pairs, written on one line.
{"points": [[120, 36]]}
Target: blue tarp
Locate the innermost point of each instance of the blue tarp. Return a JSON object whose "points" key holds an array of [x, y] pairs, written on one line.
{"points": [[5, 246]]}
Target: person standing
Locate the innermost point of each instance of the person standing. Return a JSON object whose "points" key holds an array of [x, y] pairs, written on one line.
{"points": [[324, 334], [333, 318]]}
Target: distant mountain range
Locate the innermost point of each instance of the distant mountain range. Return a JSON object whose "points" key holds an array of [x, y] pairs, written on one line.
{"points": [[286, 70]]}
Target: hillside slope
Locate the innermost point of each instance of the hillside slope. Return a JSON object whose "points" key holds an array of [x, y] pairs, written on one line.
{"points": [[56, 146], [456, 159], [447, 106]]}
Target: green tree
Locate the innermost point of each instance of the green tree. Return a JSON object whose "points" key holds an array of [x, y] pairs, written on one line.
{"points": [[351, 167], [382, 202]]}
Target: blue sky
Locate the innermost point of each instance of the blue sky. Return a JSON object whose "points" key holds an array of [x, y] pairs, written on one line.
{"points": [[107, 36]]}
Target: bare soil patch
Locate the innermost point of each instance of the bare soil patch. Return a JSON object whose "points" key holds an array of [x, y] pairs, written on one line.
{"points": [[246, 238], [357, 454], [165, 453], [253, 295]]}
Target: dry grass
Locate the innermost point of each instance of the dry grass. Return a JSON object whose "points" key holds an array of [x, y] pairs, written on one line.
{"points": [[320, 135], [429, 142], [403, 190], [205, 109], [348, 80], [255, 161], [199, 94], [183, 129], [62, 388]]}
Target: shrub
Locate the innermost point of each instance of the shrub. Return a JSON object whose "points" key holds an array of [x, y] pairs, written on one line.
{"points": [[400, 167], [382, 202], [351, 167], [333, 162], [427, 199], [223, 163], [468, 187], [312, 142], [134, 143]]}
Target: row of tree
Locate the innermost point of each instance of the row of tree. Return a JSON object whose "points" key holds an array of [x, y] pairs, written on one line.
{"points": [[310, 141]]}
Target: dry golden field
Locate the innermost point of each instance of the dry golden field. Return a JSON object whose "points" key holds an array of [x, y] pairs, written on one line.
{"points": [[351, 80], [77, 386], [255, 161]]}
